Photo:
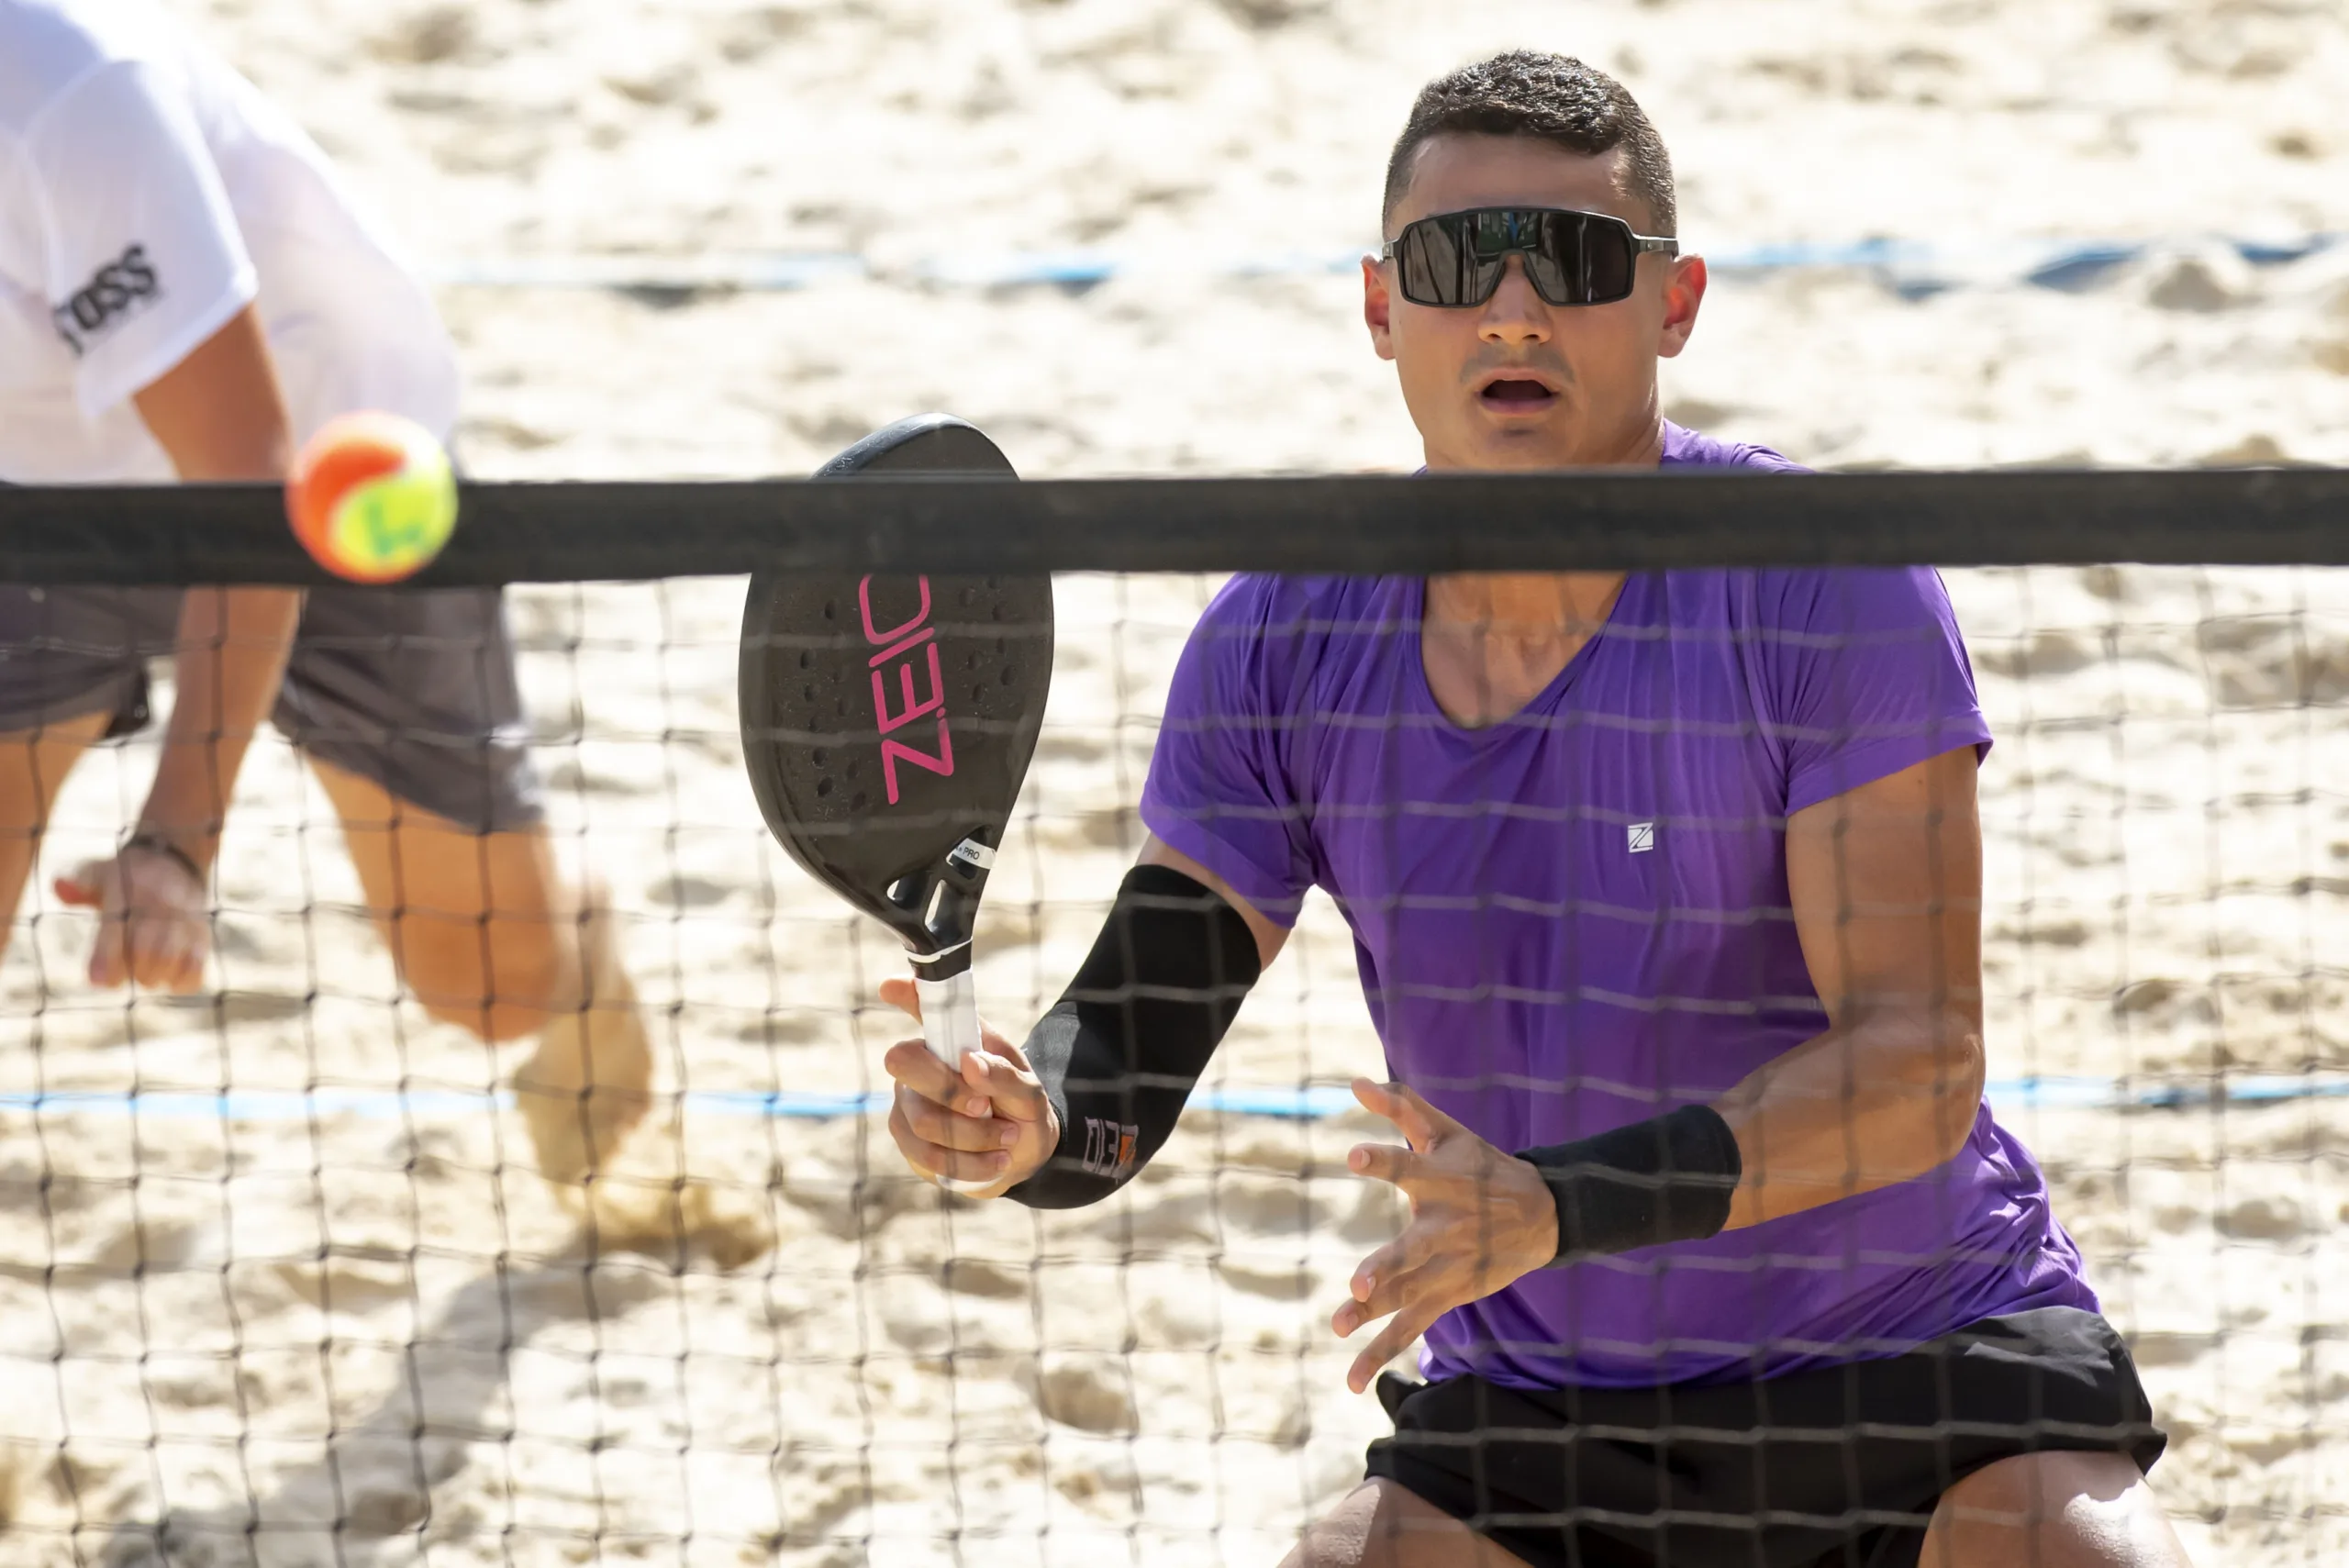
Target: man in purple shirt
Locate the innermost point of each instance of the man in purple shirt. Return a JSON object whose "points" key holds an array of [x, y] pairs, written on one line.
{"points": [[1666, 896]]}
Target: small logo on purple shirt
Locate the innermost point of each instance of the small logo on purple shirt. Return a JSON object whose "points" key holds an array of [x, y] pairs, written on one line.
{"points": [[1640, 838]]}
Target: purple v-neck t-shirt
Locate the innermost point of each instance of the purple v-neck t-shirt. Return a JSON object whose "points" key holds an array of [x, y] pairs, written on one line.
{"points": [[1579, 917]]}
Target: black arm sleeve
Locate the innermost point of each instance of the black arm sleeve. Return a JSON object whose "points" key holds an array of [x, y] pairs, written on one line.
{"points": [[1666, 1179], [1121, 1052]]}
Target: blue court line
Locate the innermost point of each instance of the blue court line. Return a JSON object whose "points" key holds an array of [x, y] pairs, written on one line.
{"points": [[1915, 267], [1311, 1102]]}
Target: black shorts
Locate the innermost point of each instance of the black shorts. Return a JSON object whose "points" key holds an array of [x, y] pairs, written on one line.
{"points": [[1839, 1467], [412, 689]]}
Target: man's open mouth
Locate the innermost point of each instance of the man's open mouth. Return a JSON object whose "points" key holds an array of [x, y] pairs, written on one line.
{"points": [[1516, 395]]}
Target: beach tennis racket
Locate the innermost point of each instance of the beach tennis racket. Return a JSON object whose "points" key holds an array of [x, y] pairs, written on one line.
{"points": [[887, 722]]}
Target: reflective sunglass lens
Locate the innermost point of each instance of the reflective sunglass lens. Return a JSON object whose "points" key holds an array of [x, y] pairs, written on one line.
{"points": [[1492, 235], [1441, 265], [1571, 258], [1553, 262], [1430, 261], [1607, 259]]}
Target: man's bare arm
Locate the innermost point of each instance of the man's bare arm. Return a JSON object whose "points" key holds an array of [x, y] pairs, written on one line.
{"points": [[1270, 938], [220, 415], [1886, 882]]}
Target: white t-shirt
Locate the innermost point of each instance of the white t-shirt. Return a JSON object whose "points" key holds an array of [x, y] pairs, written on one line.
{"points": [[148, 193]]}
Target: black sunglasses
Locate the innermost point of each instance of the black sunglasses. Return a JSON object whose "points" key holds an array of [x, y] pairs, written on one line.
{"points": [[1455, 258]]}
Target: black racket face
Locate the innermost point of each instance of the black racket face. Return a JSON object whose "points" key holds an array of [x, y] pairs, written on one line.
{"points": [[887, 720]]}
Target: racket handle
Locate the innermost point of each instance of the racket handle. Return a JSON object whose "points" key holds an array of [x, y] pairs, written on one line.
{"points": [[950, 1022], [949, 1016]]}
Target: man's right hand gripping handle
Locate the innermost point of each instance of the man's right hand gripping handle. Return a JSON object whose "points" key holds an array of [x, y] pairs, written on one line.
{"points": [[1069, 1118], [990, 1124]]}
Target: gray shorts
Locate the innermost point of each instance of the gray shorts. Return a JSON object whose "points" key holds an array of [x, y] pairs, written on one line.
{"points": [[413, 690]]}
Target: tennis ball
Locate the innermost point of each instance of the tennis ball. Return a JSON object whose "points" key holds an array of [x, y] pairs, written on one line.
{"points": [[372, 497]]}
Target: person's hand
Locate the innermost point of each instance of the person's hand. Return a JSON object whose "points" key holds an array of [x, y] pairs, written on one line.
{"points": [[1479, 1219], [990, 1123], [154, 930]]}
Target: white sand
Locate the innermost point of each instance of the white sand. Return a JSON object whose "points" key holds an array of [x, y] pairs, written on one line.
{"points": [[362, 1321]]}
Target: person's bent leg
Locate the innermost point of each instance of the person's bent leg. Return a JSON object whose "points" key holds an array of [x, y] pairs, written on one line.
{"points": [[2053, 1510], [1383, 1524], [489, 937], [408, 707], [33, 766]]}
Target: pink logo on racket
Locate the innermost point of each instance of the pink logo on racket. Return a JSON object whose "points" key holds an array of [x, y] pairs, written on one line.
{"points": [[900, 644]]}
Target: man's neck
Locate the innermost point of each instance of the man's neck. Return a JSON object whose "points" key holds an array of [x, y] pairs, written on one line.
{"points": [[1493, 641]]}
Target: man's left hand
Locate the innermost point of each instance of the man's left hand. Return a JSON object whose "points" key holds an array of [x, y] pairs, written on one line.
{"points": [[1479, 1219], [154, 924]]}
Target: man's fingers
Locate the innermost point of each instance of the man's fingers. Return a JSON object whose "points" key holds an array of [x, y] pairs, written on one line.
{"points": [[1398, 1102], [106, 954], [153, 965], [902, 994], [1007, 1051], [1010, 1088], [1393, 1279], [1391, 1342], [1389, 1263], [1383, 1162], [922, 1155], [187, 953], [979, 1170], [1421, 1122], [84, 887], [930, 1160], [951, 1130], [164, 950], [912, 1063], [1388, 1292], [1375, 1098]]}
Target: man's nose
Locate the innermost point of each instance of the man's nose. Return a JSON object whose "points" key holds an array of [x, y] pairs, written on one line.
{"points": [[1515, 314]]}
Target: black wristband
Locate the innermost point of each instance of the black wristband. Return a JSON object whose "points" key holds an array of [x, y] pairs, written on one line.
{"points": [[163, 846], [1666, 1179], [1121, 1051]]}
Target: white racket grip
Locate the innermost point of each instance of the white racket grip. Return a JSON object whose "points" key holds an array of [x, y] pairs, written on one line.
{"points": [[949, 1016], [950, 1022]]}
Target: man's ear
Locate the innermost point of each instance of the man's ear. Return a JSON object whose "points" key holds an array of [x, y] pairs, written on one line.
{"points": [[1684, 295], [1377, 308]]}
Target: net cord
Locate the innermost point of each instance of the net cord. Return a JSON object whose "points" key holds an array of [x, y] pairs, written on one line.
{"points": [[547, 532]]}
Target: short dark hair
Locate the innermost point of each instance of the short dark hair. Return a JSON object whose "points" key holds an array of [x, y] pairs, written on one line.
{"points": [[1549, 97]]}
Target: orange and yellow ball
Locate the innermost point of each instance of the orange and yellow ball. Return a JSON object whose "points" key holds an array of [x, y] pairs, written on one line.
{"points": [[372, 498]]}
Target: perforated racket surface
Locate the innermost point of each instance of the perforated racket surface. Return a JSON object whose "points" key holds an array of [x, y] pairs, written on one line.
{"points": [[887, 723]]}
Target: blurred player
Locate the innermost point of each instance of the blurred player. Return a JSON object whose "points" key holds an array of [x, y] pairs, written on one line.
{"points": [[186, 291], [1666, 891]]}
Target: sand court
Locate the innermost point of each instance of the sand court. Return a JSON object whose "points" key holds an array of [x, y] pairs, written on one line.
{"points": [[269, 1256]]}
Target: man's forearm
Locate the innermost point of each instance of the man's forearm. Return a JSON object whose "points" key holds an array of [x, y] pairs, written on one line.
{"points": [[232, 655], [1881, 1099], [1120, 1054], [219, 415]]}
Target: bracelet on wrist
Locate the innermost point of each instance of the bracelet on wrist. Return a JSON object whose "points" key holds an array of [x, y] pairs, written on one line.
{"points": [[157, 843]]}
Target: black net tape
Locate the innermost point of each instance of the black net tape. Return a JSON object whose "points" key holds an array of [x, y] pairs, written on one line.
{"points": [[568, 532]]}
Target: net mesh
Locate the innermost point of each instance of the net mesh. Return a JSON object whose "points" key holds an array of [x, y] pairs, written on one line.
{"points": [[279, 1284]]}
